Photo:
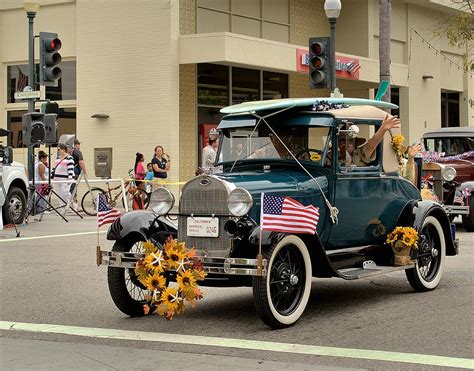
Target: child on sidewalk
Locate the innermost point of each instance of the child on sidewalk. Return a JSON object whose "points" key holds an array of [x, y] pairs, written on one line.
{"points": [[149, 177]]}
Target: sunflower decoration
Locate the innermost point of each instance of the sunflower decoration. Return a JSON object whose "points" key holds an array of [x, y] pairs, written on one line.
{"points": [[402, 240], [157, 269]]}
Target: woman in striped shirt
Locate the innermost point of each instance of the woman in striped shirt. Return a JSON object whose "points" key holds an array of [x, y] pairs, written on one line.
{"points": [[63, 170]]}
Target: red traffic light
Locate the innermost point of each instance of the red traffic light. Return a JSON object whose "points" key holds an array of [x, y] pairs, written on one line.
{"points": [[318, 48], [55, 44]]}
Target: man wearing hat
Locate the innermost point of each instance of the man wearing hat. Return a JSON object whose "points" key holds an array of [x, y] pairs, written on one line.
{"points": [[79, 164]]}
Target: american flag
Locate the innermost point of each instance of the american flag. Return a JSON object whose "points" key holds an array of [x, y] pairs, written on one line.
{"points": [[284, 214], [22, 80], [105, 214]]}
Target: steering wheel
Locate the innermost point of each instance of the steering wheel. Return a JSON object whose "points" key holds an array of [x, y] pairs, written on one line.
{"points": [[312, 154]]}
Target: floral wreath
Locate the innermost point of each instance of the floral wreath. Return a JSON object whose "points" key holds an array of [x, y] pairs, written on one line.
{"points": [[155, 270]]}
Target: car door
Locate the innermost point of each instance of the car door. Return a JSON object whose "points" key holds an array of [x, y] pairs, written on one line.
{"points": [[358, 196]]}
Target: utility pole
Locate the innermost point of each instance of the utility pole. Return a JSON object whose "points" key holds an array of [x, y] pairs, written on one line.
{"points": [[385, 10]]}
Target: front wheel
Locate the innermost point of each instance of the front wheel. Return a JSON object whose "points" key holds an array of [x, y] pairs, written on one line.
{"points": [[429, 266], [15, 206], [281, 297], [126, 290], [89, 201]]}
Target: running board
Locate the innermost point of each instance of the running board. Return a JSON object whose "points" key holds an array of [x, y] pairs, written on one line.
{"points": [[370, 269]]}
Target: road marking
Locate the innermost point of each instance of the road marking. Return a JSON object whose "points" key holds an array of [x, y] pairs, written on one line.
{"points": [[116, 334], [51, 236]]}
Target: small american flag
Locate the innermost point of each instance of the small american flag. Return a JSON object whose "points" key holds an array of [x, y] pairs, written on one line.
{"points": [[459, 200], [284, 214], [105, 214]]}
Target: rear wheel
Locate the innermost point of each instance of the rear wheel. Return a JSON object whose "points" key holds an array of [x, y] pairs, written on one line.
{"points": [[126, 290], [89, 201], [468, 220], [15, 206], [429, 266], [281, 297]]}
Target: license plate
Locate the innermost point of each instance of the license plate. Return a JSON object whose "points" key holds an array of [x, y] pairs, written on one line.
{"points": [[202, 227]]}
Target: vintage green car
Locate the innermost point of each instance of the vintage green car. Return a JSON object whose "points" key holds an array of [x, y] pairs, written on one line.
{"points": [[305, 151]]}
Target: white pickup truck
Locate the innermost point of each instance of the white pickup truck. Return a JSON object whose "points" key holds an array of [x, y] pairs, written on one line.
{"points": [[13, 192]]}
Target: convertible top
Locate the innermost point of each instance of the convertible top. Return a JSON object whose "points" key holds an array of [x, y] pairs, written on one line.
{"points": [[276, 104]]}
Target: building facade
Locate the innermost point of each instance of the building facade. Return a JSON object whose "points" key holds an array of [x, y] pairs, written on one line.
{"points": [[160, 70]]}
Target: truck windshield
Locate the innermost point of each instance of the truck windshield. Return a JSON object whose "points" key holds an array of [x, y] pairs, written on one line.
{"points": [[306, 143], [451, 146]]}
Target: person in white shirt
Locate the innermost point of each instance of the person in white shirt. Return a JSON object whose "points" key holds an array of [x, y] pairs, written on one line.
{"points": [[63, 170], [209, 153]]}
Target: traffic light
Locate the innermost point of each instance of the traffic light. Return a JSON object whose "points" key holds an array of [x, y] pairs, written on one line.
{"points": [[50, 72], [51, 128], [320, 68], [34, 131]]}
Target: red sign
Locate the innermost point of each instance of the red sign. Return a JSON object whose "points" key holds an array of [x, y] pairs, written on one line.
{"points": [[347, 68]]}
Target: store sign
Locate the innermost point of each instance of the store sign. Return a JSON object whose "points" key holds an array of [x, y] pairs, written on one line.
{"points": [[345, 67]]}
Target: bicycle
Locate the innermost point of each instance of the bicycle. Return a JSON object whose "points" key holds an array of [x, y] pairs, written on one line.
{"points": [[138, 198]]}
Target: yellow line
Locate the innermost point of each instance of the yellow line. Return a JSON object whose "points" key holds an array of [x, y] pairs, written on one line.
{"points": [[51, 236], [376, 355]]}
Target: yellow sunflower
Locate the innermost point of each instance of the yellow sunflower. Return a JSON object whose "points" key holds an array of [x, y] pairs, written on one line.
{"points": [[170, 298], [175, 255], [155, 262], [155, 282], [185, 279]]}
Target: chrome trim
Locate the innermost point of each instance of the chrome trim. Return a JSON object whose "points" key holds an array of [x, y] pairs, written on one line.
{"points": [[212, 265], [455, 209]]}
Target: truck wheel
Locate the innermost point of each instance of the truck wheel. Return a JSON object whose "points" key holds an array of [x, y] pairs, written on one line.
{"points": [[468, 220], [14, 208], [429, 266], [281, 297], [127, 292]]}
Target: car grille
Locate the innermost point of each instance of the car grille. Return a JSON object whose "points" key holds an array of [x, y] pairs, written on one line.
{"points": [[436, 181], [205, 196]]}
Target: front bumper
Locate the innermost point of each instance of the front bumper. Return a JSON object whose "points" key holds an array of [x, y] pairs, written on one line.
{"points": [[226, 266], [456, 209]]}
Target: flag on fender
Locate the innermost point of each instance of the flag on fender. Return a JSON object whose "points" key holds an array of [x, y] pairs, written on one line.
{"points": [[284, 214], [105, 214]]}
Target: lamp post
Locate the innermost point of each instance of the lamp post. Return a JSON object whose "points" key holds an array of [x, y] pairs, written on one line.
{"points": [[332, 9]]}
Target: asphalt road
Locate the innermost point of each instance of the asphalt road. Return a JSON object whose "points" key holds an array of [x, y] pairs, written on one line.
{"points": [[55, 281]]}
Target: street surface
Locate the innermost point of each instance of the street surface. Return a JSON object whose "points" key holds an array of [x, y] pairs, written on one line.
{"points": [[55, 281]]}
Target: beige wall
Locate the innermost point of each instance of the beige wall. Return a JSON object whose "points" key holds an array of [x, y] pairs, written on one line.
{"points": [[139, 89]]}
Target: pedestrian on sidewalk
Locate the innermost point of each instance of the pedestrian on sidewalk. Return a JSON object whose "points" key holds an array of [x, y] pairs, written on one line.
{"points": [[160, 163], [41, 174], [63, 170], [149, 177], [79, 165]]}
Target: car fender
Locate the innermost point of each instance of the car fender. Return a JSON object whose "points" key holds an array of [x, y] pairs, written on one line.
{"points": [[13, 176], [319, 260], [143, 222], [466, 185], [422, 209]]}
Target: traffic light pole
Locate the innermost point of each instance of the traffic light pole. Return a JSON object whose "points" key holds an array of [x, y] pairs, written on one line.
{"points": [[31, 102], [332, 22]]}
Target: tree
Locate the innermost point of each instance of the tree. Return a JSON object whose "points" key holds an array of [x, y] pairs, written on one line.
{"points": [[458, 28]]}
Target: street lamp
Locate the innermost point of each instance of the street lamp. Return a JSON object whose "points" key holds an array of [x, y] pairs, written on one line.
{"points": [[333, 9]]}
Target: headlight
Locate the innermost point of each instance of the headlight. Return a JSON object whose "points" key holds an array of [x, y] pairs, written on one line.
{"points": [[449, 173], [162, 201], [239, 202]]}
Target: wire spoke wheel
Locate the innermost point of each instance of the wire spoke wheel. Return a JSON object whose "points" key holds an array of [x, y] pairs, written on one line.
{"points": [[89, 201], [429, 266], [281, 297]]}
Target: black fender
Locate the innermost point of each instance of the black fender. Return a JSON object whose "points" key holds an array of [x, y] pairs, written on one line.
{"points": [[319, 260], [422, 209], [144, 222]]}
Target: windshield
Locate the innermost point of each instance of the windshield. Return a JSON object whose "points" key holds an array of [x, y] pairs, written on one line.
{"points": [[307, 143], [450, 146]]}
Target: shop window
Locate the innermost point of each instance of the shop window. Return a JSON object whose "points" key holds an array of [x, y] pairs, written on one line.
{"points": [[449, 109], [245, 85], [275, 85], [213, 85], [17, 79], [66, 125]]}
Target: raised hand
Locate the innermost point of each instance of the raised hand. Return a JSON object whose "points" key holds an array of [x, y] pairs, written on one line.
{"points": [[390, 122]]}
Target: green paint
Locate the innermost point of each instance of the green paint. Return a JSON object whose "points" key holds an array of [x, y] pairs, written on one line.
{"points": [[53, 236], [384, 84], [115, 334]]}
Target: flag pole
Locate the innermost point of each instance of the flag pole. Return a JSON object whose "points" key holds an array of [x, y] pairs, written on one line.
{"points": [[97, 248], [259, 256]]}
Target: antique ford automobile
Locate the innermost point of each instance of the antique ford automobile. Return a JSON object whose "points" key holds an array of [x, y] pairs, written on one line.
{"points": [[448, 170], [220, 214]]}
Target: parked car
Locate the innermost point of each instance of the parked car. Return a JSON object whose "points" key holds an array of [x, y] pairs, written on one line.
{"points": [[350, 244], [13, 189], [448, 170]]}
